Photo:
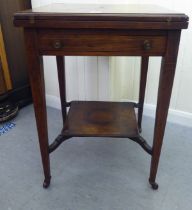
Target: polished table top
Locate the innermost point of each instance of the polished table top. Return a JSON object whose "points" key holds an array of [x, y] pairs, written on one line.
{"points": [[102, 8], [127, 16], [128, 11]]}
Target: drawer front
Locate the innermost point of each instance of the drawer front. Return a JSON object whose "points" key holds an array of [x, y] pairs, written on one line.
{"points": [[69, 44]]}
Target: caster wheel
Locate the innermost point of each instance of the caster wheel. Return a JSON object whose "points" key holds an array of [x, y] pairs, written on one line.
{"points": [[154, 185], [46, 183], [140, 130]]}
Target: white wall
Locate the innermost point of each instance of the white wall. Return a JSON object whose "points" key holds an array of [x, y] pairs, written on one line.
{"points": [[92, 79]]}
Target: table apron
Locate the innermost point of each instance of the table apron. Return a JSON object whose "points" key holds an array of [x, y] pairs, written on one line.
{"points": [[105, 44]]}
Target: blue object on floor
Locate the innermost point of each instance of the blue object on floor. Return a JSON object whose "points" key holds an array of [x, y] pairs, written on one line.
{"points": [[7, 127]]}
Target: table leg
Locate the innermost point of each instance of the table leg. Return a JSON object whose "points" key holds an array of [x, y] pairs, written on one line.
{"points": [[164, 94], [143, 80], [62, 88], [36, 75]]}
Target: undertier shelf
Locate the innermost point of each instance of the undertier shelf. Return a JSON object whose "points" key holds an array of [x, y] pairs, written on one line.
{"points": [[101, 119]]}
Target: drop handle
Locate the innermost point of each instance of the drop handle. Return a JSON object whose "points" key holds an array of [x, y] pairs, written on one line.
{"points": [[57, 44], [147, 45]]}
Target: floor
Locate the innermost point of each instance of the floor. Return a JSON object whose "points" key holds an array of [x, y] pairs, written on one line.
{"points": [[93, 173]]}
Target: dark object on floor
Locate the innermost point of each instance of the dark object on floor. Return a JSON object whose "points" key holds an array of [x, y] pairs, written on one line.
{"points": [[8, 111]]}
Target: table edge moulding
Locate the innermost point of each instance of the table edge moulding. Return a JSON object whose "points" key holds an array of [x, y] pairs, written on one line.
{"points": [[101, 30]]}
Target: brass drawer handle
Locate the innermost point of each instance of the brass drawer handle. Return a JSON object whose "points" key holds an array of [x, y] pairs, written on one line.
{"points": [[57, 45], [147, 45]]}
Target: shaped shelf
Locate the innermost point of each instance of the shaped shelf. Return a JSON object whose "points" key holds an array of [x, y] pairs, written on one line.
{"points": [[101, 119]]}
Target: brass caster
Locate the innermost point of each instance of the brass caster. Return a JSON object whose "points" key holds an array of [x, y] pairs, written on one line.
{"points": [[46, 183], [154, 185]]}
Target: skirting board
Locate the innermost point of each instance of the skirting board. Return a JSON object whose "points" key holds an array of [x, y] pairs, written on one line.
{"points": [[175, 116]]}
